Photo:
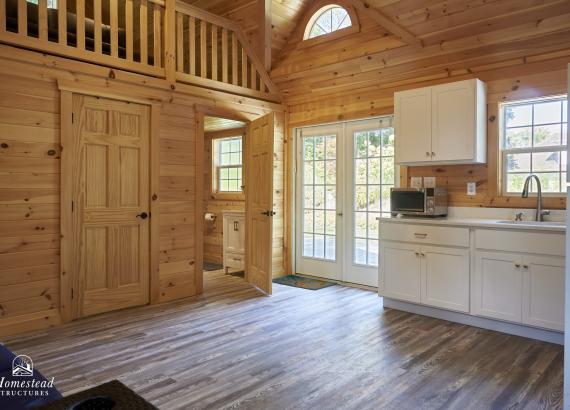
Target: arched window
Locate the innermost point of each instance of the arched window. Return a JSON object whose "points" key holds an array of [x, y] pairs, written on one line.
{"points": [[326, 20]]}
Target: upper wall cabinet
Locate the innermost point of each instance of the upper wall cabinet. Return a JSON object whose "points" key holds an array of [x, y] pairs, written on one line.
{"points": [[443, 124]]}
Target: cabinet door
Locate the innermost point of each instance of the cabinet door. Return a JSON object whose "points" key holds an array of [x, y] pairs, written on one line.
{"points": [[543, 292], [400, 271], [235, 232], [497, 289], [453, 121], [445, 278], [412, 125]]}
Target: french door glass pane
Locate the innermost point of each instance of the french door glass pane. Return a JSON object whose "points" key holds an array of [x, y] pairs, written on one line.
{"points": [[373, 177], [319, 204]]}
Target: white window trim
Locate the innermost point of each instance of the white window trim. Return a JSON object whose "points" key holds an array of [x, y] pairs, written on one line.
{"points": [[216, 167], [504, 152], [318, 14]]}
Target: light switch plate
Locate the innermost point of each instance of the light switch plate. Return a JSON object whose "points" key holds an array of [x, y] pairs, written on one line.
{"points": [[416, 182], [429, 182], [471, 188]]}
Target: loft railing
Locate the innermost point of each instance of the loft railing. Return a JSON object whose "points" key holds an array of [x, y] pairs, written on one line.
{"points": [[160, 38], [211, 49], [104, 32]]}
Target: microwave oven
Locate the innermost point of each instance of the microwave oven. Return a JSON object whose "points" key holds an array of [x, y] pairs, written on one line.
{"points": [[429, 202]]}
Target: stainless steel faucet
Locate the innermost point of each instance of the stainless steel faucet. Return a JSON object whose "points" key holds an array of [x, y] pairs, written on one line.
{"points": [[539, 212]]}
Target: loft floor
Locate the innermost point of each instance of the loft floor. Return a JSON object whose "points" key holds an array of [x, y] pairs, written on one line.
{"points": [[328, 349]]}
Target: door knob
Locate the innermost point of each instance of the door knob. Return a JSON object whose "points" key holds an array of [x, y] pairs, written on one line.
{"points": [[142, 215], [268, 213]]}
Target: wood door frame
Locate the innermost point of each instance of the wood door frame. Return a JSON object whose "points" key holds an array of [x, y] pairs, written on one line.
{"points": [[200, 112], [69, 279]]}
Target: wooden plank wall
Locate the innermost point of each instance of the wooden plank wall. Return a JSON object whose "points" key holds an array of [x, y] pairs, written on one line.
{"points": [[216, 204], [177, 202], [30, 180], [279, 197], [29, 203], [519, 48]]}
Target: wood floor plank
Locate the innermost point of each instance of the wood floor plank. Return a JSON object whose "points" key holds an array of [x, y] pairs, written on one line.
{"points": [[332, 348]]}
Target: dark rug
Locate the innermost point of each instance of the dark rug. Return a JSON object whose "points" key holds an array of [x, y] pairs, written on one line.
{"points": [[301, 282], [209, 266], [112, 395], [240, 274]]}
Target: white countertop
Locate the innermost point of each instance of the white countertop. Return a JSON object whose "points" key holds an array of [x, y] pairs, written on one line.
{"points": [[552, 226]]}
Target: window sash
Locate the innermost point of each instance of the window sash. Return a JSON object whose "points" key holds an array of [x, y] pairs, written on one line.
{"points": [[532, 149], [219, 178]]}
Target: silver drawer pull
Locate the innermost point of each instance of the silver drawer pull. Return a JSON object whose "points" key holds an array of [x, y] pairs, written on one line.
{"points": [[420, 235]]}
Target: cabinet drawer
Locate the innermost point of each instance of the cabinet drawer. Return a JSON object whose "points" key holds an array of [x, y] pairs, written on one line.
{"points": [[434, 235], [234, 260], [523, 241]]}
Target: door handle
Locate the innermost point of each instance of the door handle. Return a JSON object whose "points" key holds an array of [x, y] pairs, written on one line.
{"points": [[420, 235], [268, 213], [143, 215]]}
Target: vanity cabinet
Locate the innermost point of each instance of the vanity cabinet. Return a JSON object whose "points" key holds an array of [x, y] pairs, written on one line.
{"points": [[443, 124], [234, 240], [400, 272]]}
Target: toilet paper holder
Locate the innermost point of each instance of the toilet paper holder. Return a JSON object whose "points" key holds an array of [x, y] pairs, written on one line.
{"points": [[210, 217]]}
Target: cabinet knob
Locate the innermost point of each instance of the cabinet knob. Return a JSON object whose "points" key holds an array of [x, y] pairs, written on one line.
{"points": [[427, 153], [433, 154], [517, 265], [525, 266], [417, 253]]}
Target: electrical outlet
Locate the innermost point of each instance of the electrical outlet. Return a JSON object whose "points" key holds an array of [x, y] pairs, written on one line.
{"points": [[471, 188], [429, 182], [416, 182]]}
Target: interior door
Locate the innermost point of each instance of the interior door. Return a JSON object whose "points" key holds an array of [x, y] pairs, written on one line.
{"points": [[370, 176], [319, 225], [259, 197], [110, 204]]}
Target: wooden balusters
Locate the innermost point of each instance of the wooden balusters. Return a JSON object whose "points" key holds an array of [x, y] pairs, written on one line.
{"points": [[2, 15], [129, 29], [214, 52], [62, 22], [42, 20], [225, 56], [143, 13], [234, 59], [192, 43], [203, 49], [97, 21], [180, 42], [22, 17], [157, 53], [80, 24], [253, 77], [114, 15], [243, 67]]}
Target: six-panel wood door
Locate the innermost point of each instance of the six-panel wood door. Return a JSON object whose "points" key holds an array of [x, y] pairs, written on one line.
{"points": [[110, 204], [259, 205]]}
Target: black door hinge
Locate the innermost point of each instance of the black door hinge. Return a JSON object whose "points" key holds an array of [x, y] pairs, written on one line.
{"points": [[72, 206], [71, 293]]}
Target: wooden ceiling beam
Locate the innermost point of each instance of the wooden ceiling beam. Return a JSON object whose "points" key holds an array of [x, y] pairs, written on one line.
{"points": [[387, 23]]}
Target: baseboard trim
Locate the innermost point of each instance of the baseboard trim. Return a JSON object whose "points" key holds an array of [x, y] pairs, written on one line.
{"points": [[490, 324]]}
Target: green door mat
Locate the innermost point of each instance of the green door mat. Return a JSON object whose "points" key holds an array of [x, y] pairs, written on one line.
{"points": [[301, 282]]}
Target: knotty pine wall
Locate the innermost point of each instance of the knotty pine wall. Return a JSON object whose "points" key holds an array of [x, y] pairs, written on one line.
{"points": [[518, 55], [216, 203], [30, 180]]}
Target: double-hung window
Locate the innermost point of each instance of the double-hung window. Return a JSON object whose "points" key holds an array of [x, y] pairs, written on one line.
{"points": [[228, 164], [534, 140]]}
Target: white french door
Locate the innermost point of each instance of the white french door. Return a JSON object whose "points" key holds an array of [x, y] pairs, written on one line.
{"points": [[344, 175], [370, 175], [319, 208]]}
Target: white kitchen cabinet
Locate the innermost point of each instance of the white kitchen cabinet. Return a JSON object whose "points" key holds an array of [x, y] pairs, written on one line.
{"points": [[430, 275], [498, 285], [445, 277], [234, 240], [543, 292], [443, 124], [400, 271], [413, 125]]}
